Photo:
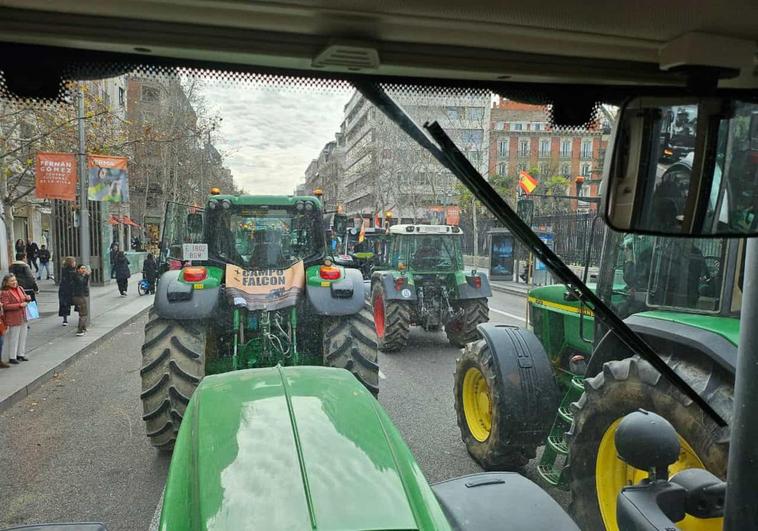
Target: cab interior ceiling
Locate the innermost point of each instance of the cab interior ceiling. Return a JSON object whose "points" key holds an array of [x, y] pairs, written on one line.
{"points": [[569, 54]]}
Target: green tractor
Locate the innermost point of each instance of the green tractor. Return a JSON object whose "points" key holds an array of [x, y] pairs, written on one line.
{"points": [[247, 284], [343, 241], [565, 382], [423, 283]]}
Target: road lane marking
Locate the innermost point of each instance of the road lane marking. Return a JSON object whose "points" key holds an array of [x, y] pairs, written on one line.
{"points": [[157, 514], [512, 316], [381, 375]]}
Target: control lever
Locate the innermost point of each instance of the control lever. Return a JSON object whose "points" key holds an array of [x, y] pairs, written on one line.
{"points": [[647, 441]]}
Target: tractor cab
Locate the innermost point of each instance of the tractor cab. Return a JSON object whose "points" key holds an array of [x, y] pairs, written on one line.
{"points": [[425, 248]]}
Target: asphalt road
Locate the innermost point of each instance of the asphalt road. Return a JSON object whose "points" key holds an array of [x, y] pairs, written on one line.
{"points": [[75, 449]]}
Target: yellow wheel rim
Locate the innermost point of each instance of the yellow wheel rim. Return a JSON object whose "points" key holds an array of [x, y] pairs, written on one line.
{"points": [[611, 474], [477, 404]]}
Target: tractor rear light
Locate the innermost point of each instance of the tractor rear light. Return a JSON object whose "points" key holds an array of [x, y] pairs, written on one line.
{"points": [[399, 283], [329, 272], [475, 281], [194, 274]]}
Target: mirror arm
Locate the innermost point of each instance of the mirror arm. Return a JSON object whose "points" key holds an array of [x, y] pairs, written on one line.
{"points": [[447, 153]]}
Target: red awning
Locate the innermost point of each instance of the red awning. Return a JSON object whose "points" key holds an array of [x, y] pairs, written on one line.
{"points": [[114, 220], [128, 221]]}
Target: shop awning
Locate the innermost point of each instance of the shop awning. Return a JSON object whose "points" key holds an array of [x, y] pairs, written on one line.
{"points": [[114, 220], [126, 220]]}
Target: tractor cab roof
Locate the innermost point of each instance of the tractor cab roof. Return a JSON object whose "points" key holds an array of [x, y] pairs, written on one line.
{"points": [[267, 200], [451, 230]]}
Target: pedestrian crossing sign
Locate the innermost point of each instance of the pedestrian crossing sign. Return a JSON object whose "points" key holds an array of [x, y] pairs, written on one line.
{"points": [[527, 182]]}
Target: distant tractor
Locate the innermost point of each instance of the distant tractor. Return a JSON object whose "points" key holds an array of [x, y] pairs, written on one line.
{"points": [[423, 283], [247, 284]]}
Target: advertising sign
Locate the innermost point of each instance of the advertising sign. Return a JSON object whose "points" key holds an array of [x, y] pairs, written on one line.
{"points": [[55, 176], [264, 289], [108, 179]]}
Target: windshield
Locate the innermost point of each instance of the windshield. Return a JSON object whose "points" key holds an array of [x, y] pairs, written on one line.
{"points": [[334, 239], [264, 237]]}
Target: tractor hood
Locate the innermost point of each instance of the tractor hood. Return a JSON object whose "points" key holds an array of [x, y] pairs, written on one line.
{"points": [[293, 448]]}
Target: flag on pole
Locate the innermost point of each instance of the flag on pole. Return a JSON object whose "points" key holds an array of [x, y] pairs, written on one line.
{"points": [[362, 233], [527, 182]]}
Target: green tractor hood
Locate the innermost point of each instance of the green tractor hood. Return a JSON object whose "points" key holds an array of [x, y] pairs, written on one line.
{"points": [[293, 448]]}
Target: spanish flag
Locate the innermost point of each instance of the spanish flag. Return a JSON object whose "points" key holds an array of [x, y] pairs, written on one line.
{"points": [[527, 182], [362, 233]]}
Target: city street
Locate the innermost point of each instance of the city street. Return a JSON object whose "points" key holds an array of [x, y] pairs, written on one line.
{"points": [[75, 449]]}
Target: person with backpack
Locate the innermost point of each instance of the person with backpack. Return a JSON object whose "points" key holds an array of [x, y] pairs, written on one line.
{"points": [[150, 272], [44, 263]]}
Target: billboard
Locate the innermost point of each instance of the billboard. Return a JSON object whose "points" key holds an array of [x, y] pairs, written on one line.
{"points": [[108, 179], [55, 176]]}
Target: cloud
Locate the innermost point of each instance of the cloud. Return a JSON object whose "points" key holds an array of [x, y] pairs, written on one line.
{"points": [[271, 134]]}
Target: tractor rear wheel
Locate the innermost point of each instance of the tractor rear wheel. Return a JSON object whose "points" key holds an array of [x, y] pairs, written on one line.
{"points": [[463, 330], [596, 474], [173, 363], [350, 343], [392, 320]]}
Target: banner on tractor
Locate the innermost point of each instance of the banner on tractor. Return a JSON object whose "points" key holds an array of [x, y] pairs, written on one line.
{"points": [[55, 176], [527, 182], [264, 289], [108, 179]]}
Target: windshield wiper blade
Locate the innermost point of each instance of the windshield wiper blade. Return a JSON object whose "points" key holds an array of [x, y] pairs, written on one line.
{"points": [[442, 148]]}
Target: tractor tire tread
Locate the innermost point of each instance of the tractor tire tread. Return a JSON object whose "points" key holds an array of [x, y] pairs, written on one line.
{"points": [[350, 343]]}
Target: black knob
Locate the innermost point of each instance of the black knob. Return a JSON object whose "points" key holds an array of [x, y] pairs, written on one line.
{"points": [[647, 441]]}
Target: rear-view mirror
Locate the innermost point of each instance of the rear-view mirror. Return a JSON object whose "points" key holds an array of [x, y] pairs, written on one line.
{"points": [[684, 167]]}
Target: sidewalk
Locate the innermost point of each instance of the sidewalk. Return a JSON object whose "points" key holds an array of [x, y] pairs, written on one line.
{"points": [[50, 347]]}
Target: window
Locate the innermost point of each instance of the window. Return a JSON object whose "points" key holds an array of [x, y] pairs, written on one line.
{"points": [[517, 127], [472, 137], [474, 157], [523, 147], [537, 126], [521, 166], [544, 169], [565, 147], [502, 168], [566, 169], [150, 94], [586, 148], [544, 147], [502, 147], [474, 113], [453, 113], [499, 126], [121, 98], [586, 169]]}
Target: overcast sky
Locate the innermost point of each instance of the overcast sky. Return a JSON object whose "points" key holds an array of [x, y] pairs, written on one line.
{"points": [[270, 135]]}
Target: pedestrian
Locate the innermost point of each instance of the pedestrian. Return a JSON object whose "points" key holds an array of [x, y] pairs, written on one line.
{"points": [[44, 263], [80, 296], [32, 252], [113, 252], [122, 272], [66, 288], [24, 276], [20, 246], [14, 302], [150, 272]]}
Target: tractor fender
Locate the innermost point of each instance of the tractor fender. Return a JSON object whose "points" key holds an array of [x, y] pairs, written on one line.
{"points": [[530, 394], [666, 338], [387, 280], [181, 301], [467, 291], [343, 297]]}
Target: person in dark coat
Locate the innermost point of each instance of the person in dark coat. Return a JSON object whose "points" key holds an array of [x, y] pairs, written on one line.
{"points": [[122, 272], [20, 246], [113, 252], [66, 288], [23, 273], [150, 272], [32, 252], [44, 263]]}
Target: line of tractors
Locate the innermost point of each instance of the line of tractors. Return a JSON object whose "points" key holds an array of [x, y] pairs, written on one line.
{"points": [[563, 383]]}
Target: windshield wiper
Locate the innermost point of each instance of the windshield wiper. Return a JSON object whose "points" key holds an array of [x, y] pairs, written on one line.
{"points": [[442, 148]]}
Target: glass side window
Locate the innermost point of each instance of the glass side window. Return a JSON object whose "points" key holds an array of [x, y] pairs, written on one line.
{"points": [[686, 273]]}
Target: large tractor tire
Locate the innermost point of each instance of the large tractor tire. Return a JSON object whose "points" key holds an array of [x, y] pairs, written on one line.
{"points": [[392, 320], [173, 363], [350, 343], [504, 406], [463, 330], [596, 474]]}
